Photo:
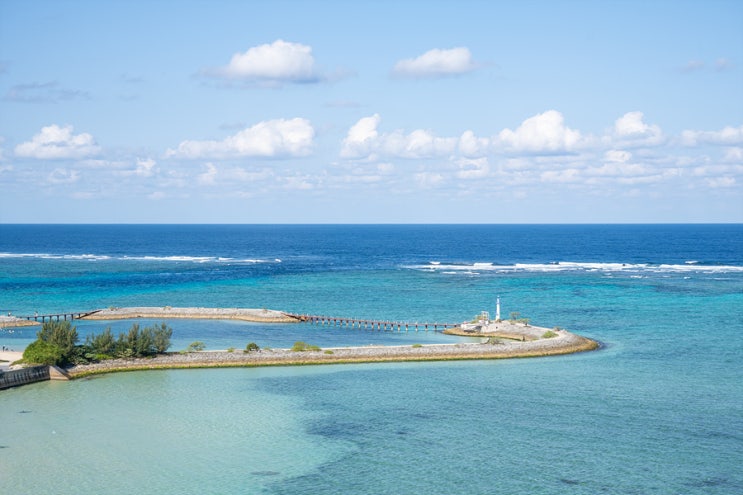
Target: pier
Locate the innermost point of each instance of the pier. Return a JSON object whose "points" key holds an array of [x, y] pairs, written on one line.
{"points": [[367, 324], [58, 316]]}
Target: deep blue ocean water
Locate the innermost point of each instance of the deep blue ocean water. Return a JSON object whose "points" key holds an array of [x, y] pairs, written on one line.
{"points": [[659, 409]]}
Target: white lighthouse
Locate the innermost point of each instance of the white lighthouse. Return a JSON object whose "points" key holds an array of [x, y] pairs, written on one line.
{"points": [[497, 309]]}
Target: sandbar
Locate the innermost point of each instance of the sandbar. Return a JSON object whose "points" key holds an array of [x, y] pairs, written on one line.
{"points": [[253, 315]]}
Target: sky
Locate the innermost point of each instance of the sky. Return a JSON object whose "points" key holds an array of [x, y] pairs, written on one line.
{"points": [[371, 112]]}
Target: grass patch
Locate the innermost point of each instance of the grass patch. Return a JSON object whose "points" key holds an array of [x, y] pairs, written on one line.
{"points": [[300, 346]]}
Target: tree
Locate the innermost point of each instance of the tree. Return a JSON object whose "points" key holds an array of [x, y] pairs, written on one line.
{"points": [[103, 344], [60, 333], [162, 336]]}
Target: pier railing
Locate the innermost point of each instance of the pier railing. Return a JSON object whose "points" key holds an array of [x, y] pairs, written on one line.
{"points": [[59, 316], [370, 324]]}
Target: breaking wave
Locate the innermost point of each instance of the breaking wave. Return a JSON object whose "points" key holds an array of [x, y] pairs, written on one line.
{"points": [[95, 257], [564, 266]]}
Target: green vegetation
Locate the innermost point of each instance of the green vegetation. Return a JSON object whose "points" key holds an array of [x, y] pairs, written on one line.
{"points": [[549, 334], [328, 351], [251, 347], [196, 346], [516, 318], [300, 346], [41, 352], [415, 346], [230, 349], [56, 344]]}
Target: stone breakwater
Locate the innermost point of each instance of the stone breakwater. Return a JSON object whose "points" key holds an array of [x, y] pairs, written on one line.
{"points": [[167, 312], [563, 343]]}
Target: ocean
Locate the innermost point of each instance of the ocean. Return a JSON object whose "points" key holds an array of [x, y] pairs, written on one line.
{"points": [[658, 409]]}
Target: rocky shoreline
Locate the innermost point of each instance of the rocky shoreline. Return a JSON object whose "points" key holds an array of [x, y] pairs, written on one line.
{"points": [[254, 315], [563, 343]]}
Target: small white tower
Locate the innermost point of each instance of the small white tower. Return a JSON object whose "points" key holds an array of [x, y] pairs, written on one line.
{"points": [[497, 309]]}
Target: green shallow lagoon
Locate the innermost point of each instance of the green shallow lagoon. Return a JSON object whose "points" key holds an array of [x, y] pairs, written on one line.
{"points": [[658, 410]]}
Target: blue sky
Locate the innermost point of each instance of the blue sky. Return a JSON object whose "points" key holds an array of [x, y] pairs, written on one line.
{"points": [[371, 112]]}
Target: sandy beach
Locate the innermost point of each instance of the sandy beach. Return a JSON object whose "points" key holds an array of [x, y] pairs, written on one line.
{"points": [[13, 322]]}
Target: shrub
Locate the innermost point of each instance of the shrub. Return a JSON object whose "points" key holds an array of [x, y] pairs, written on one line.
{"points": [[549, 334], [328, 351], [230, 349], [196, 346], [300, 346], [415, 346], [42, 352], [252, 347]]}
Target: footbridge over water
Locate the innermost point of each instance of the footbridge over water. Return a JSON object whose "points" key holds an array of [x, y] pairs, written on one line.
{"points": [[58, 316], [370, 324]]}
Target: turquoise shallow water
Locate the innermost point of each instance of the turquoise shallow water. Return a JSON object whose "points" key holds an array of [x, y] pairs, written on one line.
{"points": [[659, 409]]}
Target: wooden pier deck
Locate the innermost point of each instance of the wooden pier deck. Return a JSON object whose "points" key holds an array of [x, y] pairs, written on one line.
{"points": [[369, 324]]}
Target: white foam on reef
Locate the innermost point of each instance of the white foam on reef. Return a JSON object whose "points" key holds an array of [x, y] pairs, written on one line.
{"points": [[563, 266], [100, 257]]}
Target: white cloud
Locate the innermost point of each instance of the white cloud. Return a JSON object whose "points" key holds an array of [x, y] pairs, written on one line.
{"points": [[361, 138], [271, 138], [631, 129], [280, 61], [145, 167], [364, 141], [734, 155], [718, 182], [473, 168], [545, 132], [436, 63], [55, 142], [471, 145], [63, 176], [727, 136], [429, 179], [226, 176], [207, 178], [561, 176], [617, 156]]}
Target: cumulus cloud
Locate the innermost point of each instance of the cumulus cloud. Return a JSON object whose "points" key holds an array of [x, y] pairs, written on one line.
{"points": [[271, 138], [727, 136], [631, 130], [436, 63], [361, 138], [278, 62], [543, 133], [55, 142], [364, 141], [471, 145]]}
